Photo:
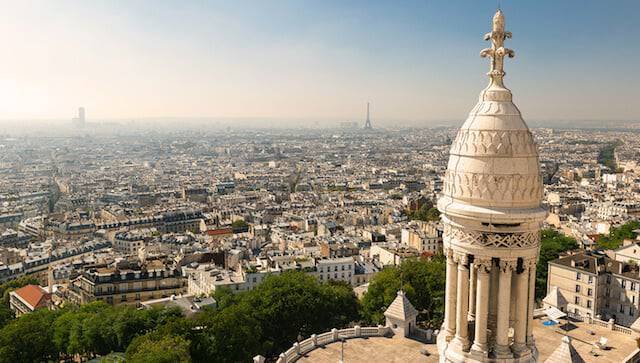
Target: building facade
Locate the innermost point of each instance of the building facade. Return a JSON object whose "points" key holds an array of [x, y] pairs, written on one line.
{"points": [[29, 298], [588, 284], [129, 282]]}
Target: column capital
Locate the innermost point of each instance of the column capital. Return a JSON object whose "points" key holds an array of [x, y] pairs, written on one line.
{"points": [[529, 263], [483, 264], [448, 252], [508, 264], [461, 258]]}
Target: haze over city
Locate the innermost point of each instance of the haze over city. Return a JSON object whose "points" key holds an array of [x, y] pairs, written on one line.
{"points": [[311, 63]]}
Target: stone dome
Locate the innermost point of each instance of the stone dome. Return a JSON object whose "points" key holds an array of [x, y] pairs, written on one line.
{"points": [[493, 172]]}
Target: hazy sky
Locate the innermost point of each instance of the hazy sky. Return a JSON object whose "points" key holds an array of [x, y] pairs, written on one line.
{"points": [[414, 60]]}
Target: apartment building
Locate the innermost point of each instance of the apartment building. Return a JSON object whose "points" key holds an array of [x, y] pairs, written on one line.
{"points": [[391, 255], [422, 236], [29, 298], [592, 284], [127, 282], [335, 269]]}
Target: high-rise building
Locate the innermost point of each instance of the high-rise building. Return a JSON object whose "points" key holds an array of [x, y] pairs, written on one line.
{"points": [[491, 210], [367, 123], [80, 120]]}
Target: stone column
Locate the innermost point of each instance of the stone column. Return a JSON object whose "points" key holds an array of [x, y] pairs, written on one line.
{"points": [[522, 303], [472, 292], [480, 347], [462, 306], [504, 303], [532, 297], [450, 296]]}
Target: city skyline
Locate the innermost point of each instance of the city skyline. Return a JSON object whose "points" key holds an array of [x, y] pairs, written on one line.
{"points": [[415, 62]]}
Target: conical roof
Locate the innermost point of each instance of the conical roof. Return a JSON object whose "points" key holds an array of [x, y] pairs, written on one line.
{"points": [[401, 308], [565, 353], [493, 165], [555, 298], [636, 325]]}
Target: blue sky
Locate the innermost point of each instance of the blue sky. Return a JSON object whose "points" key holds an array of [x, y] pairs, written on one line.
{"points": [[414, 60]]}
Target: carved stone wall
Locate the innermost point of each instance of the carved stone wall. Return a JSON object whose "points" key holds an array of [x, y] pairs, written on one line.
{"points": [[493, 187], [457, 235], [494, 143]]}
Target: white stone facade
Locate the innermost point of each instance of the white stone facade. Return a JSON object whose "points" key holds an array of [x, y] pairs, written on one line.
{"points": [[335, 269], [491, 210]]}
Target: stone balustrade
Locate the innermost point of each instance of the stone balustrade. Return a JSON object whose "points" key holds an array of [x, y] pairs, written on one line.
{"points": [[301, 348], [610, 324]]}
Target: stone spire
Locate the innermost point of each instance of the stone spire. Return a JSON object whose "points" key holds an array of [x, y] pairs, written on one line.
{"points": [[497, 52], [565, 353]]}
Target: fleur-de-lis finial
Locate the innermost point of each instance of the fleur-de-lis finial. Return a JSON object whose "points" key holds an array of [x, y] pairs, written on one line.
{"points": [[497, 52]]}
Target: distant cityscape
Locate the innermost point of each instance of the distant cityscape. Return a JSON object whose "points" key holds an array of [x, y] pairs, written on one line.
{"points": [[227, 209]]}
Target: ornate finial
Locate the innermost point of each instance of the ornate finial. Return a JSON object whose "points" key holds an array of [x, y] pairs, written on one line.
{"points": [[497, 52]]}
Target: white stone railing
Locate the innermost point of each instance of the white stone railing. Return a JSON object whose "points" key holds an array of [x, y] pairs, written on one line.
{"points": [[623, 330], [576, 316], [538, 313], [598, 322], [633, 357], [301, 348], [594, 321], [424, 335]]}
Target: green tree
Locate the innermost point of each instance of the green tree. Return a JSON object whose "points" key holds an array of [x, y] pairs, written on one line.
{"points": [[6, 315], [426, 212], [295, 303], [224, 297], [231, 335], [263, 321], [552, 245], [165, 349], [240, 223], [28, 339], [422, 280], [618, 234]]}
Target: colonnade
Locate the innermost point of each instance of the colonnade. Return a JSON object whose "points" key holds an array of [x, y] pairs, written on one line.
{"points": [[468, 295]]}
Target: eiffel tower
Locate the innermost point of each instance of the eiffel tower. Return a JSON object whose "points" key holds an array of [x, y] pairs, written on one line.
{"points": [[367, 124]]}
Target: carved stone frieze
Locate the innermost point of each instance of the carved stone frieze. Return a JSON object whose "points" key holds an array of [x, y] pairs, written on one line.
{"points": [[489, 239], [494, 143], [498, 188]]}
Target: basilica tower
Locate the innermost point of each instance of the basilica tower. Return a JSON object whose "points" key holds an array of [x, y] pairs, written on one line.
{"points": [[491, 210]]}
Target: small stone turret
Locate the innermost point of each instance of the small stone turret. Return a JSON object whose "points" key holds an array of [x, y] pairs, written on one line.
{"points": [[401, 315]]}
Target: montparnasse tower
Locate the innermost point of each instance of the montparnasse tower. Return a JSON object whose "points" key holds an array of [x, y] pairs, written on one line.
{"points": [[491, 210]]}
